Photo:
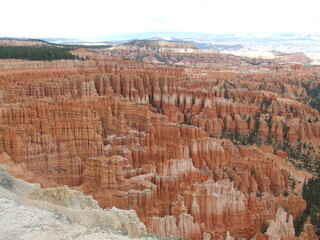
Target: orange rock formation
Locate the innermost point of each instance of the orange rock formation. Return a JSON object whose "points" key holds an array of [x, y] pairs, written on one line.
{"points": [[181, 146]]}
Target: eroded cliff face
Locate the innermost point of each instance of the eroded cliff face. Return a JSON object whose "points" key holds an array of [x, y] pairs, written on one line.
{"points": [[196, 153]]}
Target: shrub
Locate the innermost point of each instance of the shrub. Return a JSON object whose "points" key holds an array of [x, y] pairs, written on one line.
{"points": [[5, 180]]}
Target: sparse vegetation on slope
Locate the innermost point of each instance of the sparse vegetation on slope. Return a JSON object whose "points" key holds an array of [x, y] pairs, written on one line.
{"points": [[314, 93], [311, 193], [95, 46]]}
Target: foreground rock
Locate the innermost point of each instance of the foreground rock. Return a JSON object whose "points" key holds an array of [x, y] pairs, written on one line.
{"points": [[30, 212]]}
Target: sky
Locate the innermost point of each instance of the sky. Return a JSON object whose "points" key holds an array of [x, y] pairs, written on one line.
{"points": [[91, 19]]}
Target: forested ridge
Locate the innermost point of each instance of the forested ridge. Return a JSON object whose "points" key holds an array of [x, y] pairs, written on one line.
{"points": [[36, 52]]}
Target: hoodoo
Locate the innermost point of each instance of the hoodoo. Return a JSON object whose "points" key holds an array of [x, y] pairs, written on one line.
{"points": [[200, 144]]}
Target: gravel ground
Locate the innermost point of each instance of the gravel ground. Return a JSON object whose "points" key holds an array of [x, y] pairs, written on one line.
{"points": [[26, 222]]}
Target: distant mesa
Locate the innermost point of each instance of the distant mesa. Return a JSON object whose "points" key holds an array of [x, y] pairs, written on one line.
{"points": [[297, 57], [218, 47], [159, 45]]}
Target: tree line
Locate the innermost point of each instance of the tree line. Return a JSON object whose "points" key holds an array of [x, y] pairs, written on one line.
{"points": [[36, 53]]}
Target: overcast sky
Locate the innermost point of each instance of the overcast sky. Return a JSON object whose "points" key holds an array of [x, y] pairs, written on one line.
{"points": [[88, 19]]}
